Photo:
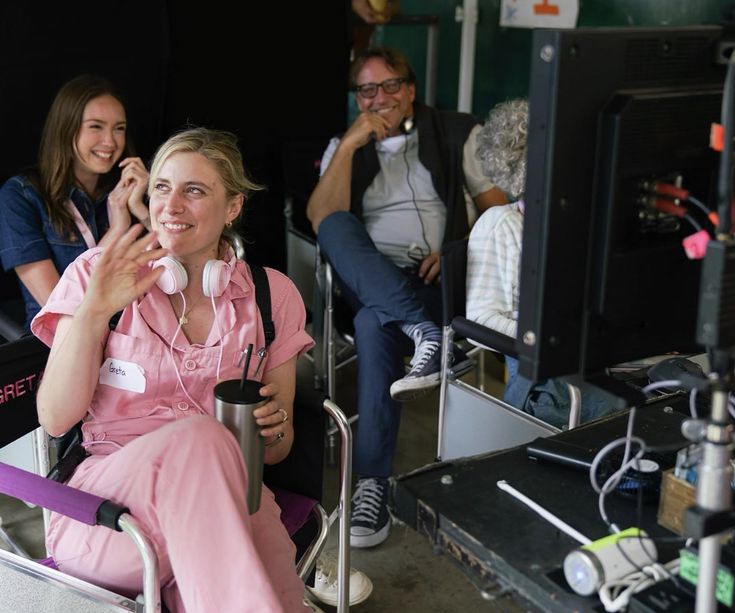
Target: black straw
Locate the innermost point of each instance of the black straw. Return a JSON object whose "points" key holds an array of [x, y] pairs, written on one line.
{"points": [[249, 354]]}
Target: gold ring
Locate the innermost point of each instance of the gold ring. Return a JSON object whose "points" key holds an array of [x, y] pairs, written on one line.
{"points": [[285, 416]]}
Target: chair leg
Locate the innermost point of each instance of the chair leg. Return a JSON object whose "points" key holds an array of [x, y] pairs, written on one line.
{"points": [[480, 371], [447, 336]]}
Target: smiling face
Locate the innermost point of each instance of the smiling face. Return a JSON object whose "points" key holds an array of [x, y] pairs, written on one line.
{"points": [[394, 107], [190, 207], [101, 139]]}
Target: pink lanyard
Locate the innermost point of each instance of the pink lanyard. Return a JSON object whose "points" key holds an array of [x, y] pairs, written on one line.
{"points": [[81, 224]]}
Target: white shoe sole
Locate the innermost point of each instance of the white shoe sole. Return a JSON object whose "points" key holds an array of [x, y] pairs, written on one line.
{"points": [[363, 541], [355, 598], [415, 387]]}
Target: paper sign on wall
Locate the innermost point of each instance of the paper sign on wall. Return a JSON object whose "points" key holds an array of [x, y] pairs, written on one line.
{"points": [[539, 13]]}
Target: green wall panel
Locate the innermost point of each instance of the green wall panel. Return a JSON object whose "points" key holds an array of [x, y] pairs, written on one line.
{"points": [[502, 54]]}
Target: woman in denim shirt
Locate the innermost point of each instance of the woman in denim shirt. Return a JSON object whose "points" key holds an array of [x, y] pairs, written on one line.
{"points": [[64, 205]]}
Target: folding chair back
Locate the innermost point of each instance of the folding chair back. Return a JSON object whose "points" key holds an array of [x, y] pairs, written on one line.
{"points": [[302, 471], [470, 420], [454, 273], [301, 161], [21, 366]]}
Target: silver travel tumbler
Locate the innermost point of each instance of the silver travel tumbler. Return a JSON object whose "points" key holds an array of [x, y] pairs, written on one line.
{"points": [[233, 407]]}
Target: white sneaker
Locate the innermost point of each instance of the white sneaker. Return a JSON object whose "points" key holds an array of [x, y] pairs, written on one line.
{"points": [[325, 584]]}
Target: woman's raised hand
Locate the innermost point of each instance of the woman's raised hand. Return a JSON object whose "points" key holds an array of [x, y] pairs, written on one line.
{"points": [[127, 196], [120, 274], [135, 173]]}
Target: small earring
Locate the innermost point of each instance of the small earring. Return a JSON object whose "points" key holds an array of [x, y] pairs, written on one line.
{"points": [[228, 225]]}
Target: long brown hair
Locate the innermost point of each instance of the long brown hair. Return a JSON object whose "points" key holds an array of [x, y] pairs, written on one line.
{"points": [[54, 174]]}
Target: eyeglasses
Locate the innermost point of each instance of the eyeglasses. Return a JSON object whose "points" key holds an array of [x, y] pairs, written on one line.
{"points": [[390, 86]]}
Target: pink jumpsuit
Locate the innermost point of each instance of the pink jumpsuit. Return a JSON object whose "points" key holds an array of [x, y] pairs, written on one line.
{"points": [[169, 461]]}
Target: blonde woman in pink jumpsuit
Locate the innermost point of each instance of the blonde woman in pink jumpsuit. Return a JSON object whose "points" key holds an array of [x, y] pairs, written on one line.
{"points": [[144, 392]]}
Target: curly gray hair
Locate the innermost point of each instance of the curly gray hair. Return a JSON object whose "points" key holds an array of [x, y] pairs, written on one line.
{"points": [[501, 146]]}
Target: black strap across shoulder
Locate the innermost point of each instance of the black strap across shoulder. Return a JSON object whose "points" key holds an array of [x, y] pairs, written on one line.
{"points": [[263, 299]]}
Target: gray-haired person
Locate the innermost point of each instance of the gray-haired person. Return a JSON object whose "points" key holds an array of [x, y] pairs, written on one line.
{"points": [[493, 265]]}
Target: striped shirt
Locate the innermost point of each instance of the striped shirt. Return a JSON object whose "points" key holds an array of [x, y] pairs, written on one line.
{"points": [[493, 264]]}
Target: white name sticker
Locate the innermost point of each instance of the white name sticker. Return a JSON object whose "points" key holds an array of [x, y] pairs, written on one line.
{"points": [[123, 375]]}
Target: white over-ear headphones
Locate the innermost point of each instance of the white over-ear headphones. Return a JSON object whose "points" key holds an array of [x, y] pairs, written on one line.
{"points": [[215, 277]]}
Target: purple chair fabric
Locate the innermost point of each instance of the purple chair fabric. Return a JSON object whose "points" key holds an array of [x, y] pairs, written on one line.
{"points": [[81, 506], [49, 563], [295, 509], [43, 492]]}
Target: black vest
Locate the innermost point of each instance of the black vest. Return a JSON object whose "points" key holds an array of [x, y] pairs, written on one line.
{"points": [[442, 135]]}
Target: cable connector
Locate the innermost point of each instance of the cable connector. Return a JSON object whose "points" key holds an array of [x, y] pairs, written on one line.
{"points": [[669, 207], [667, 189]]}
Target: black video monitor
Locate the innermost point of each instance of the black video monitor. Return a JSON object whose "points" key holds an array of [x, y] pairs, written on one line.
{"points": [[604, 277]]}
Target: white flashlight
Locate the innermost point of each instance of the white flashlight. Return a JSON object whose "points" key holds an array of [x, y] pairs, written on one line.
{"points": [[586, 569]]}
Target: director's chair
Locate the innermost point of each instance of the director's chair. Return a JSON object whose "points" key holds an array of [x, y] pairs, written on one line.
{"points": [[30, 586], [471, 421], [331, 321]]}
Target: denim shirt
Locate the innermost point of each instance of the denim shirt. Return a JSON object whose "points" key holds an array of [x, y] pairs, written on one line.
{"points": [[27, 235]]}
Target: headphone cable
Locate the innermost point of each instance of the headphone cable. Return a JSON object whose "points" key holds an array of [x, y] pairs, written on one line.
{"points": [[413, 195], [173, 359]]}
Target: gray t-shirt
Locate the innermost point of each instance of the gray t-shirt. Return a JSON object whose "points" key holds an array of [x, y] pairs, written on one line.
{"points": [[402, 211]]}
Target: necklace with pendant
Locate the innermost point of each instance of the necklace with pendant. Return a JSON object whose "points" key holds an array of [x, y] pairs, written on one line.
{"points": [[184, 318]]}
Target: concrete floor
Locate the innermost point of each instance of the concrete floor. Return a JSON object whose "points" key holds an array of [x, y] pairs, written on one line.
{"points": [[407, 574]]}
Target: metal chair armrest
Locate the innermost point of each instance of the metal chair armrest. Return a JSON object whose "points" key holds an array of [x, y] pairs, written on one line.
{"points": [[343, 508], [306, 564], [151, 581], [488, 337]]}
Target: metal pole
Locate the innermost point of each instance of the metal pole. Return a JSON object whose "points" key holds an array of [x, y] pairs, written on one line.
{"points": [[447, 336], [329, 331], [432, 58], [41, 463], [343, 574], [467, 56], [575, 405], [151, 582], [306, 564], [714, 494]]}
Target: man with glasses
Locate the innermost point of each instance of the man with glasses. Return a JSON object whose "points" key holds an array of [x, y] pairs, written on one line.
{"points": [[392, 190]]}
